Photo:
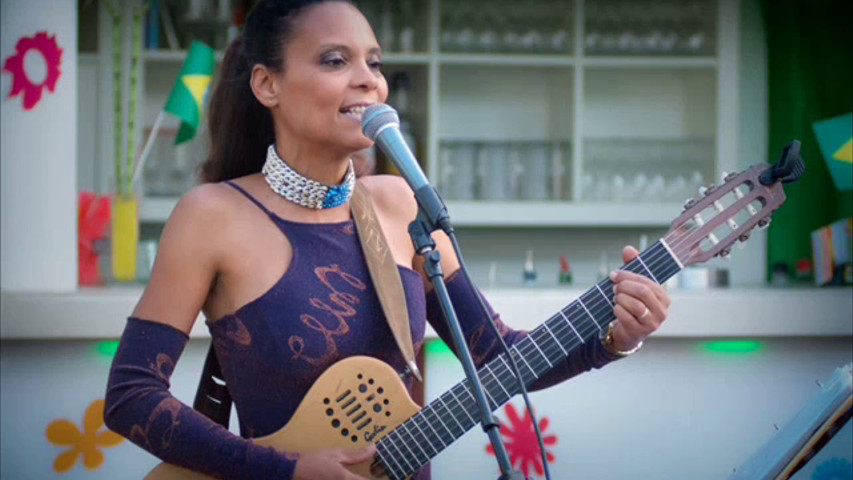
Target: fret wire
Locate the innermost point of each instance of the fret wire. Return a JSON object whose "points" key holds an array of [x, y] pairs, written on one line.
{"points": [[580, 302], [508, 368], [486, 392], [603, 294], [385, 462], [464, 410], [488, 368], [444, 404], [523, 359], [555, 337], [424, 434], [446, 427], [400, 455], [533, 341], [523, 344], [416, 442], [576, 332], [640, 258], [422, 415], [406, 444]]}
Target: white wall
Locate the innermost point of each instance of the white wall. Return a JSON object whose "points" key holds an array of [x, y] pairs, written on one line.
{"points": [[672, 411], [38, 221]]}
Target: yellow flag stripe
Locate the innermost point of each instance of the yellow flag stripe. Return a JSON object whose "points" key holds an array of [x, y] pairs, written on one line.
{"points": [[197, 84], [845, 153]]}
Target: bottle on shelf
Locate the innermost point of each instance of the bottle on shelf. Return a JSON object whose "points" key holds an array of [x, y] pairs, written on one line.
{"points": [[565, 276], [529, 269]]}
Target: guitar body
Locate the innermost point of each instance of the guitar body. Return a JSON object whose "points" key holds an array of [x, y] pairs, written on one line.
{"points": [[353, 404]]}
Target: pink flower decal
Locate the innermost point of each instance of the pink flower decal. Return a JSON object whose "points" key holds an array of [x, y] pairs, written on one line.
{"points": [[14, 65], [521, 444]]}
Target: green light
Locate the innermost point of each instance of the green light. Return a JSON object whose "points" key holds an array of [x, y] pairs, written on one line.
{"points": [[437, 347], [107, 348], [732, 347]]}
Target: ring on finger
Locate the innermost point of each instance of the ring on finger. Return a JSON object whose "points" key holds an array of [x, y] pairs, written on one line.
{"points": [[645, 314]]}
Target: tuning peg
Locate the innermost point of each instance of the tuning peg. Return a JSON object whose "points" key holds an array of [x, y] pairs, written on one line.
{"points": [[725, 253], [705, 191], [743, 237], [688, 204], [728, 176], [764, 223]]}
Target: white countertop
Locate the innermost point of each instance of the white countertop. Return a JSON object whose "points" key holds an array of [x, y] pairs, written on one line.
{"points": [[100, 313]]}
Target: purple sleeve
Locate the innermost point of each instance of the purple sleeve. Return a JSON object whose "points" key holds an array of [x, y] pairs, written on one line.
{"points": [[140, 407], [483, 343]]}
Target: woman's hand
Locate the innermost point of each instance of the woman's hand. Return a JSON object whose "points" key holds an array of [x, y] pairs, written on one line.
{"points": [[640, 305], [330, 464]]}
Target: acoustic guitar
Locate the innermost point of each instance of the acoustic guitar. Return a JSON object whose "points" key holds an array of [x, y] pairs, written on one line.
{"points": [[361, 400]]}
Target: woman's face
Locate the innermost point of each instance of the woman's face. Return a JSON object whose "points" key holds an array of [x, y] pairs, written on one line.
{"points": [[331, 73]]}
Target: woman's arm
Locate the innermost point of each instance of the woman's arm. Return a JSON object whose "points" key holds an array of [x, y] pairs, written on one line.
{"points": [[139, 405], [634, 295]]}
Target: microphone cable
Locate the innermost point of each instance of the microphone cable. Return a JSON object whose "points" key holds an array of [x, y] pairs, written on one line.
{"points": [[452, 235]]}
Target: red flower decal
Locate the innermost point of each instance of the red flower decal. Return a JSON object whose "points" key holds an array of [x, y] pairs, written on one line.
{"points": [[521, 444], [52, 54]]}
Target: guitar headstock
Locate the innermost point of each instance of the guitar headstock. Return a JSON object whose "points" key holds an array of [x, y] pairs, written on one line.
{"points": [[727, 213]]}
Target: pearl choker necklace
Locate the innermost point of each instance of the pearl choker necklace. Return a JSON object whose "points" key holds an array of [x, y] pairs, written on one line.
{"points": [[288, 183]]}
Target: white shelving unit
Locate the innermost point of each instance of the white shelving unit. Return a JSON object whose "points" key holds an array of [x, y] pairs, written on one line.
{"points": [[574, 98]]}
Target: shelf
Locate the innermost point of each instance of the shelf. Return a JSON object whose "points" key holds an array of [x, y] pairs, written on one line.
{"points": [[561, 214], [509, 60], [156, 209], [650, 62], [497, 59], [100, 313], [178, 56], [509, 214]]}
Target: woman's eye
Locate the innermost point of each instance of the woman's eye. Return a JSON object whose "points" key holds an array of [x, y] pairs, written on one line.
{"points": [[375, 65], [334, 61]]}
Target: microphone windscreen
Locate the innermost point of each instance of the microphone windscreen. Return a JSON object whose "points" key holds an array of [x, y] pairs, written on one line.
{"points": [[376, 117]]}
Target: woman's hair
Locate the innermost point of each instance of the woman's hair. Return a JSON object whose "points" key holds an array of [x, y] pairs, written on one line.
{"points": [[240, 127]]}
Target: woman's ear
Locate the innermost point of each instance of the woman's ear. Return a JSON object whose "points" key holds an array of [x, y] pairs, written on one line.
{"points": [[264, 86]]}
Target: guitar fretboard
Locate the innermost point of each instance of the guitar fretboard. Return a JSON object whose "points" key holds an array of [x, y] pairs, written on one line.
{"points": [[416, 441]]}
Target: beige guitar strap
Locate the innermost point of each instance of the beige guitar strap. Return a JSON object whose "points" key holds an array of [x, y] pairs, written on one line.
{"points": [[384, 273]]}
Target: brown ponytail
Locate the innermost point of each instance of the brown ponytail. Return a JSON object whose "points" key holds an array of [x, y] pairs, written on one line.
{"points": [[240, 127]]}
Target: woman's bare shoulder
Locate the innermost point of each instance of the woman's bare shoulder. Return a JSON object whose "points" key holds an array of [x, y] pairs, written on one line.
{"points": [[392, 195]]}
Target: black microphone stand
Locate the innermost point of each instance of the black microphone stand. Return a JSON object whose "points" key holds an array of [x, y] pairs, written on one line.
{"points": [[420, 230]]}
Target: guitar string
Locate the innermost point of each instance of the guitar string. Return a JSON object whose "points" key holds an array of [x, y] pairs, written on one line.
{"points": [[490, 383], [653, 259], [500, 379]]}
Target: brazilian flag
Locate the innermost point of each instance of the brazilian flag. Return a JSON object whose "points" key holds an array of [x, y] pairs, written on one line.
{"points": [[187, 97], [835, 137]]}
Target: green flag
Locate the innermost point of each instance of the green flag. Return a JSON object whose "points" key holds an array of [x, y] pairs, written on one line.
{"points": [[185, 101], [835, 137]]}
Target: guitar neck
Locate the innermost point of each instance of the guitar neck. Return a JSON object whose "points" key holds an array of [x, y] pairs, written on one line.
{"points": [[416, 441]]}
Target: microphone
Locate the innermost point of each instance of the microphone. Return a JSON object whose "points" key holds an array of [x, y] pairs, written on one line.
{"points": [[381, 124]]}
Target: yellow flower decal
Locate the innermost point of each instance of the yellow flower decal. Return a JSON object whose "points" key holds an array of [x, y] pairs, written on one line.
{"points": [[62, 432]]}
